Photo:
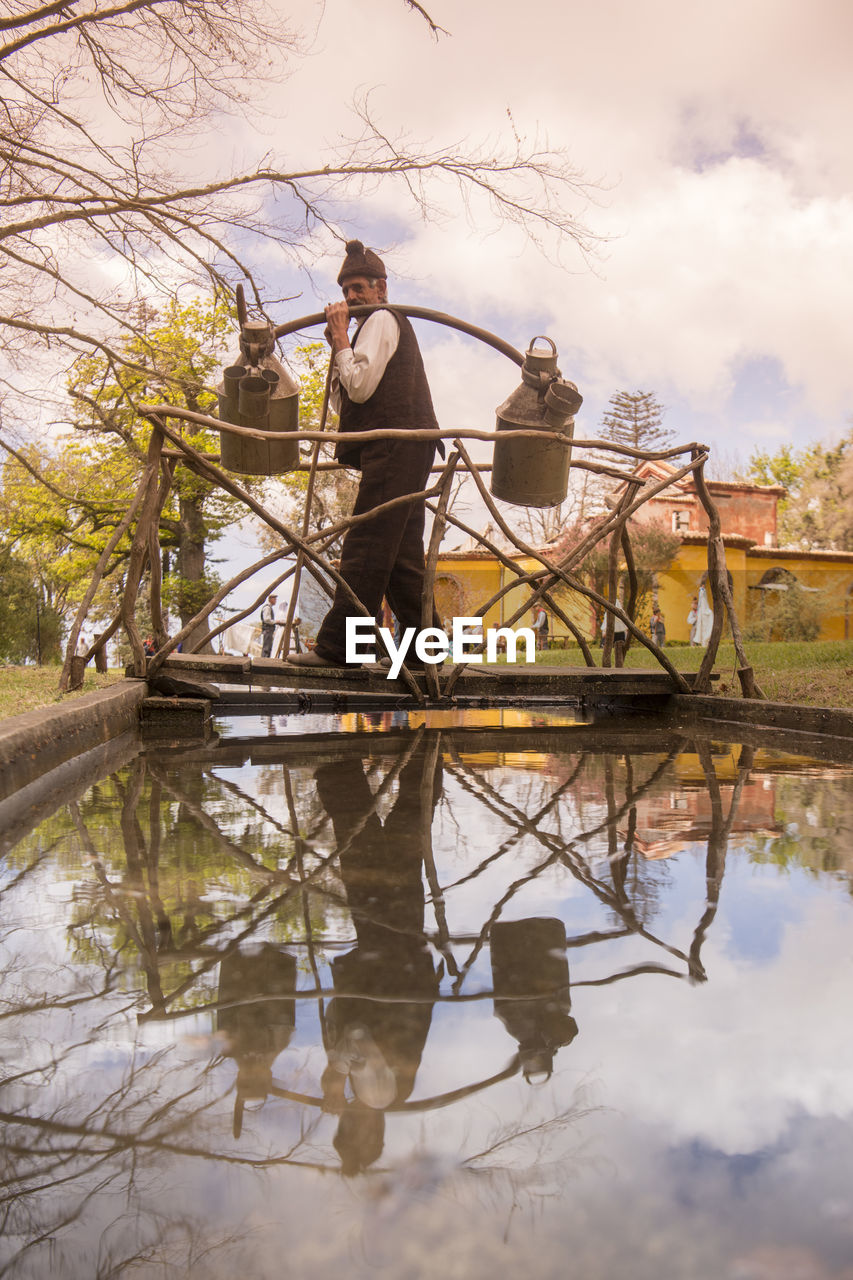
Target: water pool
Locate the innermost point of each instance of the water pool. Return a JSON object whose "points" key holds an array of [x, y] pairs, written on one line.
{"points": [[433, 995]]}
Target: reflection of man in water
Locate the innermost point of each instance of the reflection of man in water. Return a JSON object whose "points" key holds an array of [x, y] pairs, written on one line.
{"points": [[378, 1022]]}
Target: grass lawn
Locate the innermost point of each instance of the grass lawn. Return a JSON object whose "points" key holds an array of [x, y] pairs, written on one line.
{"points": [[28, 688], [818, 673]]}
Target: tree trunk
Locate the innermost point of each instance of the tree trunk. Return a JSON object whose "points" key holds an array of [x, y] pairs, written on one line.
{"points": [[190, 566]]}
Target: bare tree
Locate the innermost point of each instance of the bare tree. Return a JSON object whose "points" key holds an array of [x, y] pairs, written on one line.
{"points": [[108, 193], [546, 525]]}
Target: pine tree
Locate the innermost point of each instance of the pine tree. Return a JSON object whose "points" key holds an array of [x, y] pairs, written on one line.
{"points": [[634, 418]]}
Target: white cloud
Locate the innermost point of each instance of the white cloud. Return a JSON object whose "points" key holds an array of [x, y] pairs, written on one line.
{"points": [[718, 137], [717, 134], [764, 1047]]}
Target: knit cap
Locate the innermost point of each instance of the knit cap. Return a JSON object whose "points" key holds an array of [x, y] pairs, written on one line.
{"points": [[361, 262]]}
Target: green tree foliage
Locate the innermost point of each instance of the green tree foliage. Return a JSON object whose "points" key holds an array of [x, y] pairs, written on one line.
{"points": [[813, 826], [174, 357], [635, 418], [782, 467], [59, 508], [54, 508], [29, 628], [150, 853], [787, 613], [817, 512]]}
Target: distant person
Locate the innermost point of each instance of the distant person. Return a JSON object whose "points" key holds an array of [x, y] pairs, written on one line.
{"points": [[657, 629], [620, 635], [692, 618], [620, 638], [704, 618], [268, 621], [540, 626]]}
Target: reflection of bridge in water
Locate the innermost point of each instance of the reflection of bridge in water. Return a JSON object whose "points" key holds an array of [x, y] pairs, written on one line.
{"points": [[354, 945], [535, 449], [309, 889]]}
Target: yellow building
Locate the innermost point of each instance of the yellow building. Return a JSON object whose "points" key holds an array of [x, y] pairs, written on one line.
{"points": [[757, 571], [466, 580]]}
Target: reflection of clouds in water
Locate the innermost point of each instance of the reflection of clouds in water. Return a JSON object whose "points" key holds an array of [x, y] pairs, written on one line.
{"points": [[758, 906], [687, 1210], [734, 1060], [693, 1108]]}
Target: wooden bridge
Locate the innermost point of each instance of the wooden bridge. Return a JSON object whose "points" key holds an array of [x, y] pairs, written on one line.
{"points": [[553, 581], [246, 684]]}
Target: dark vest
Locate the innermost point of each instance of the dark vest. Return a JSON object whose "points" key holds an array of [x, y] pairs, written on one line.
{"points": [[402, 398]]}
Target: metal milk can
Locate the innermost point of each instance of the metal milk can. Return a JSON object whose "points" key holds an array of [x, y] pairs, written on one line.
{"points": [[530, 472], [257, 391]]}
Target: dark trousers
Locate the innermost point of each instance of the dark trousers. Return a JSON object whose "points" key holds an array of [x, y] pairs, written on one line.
{"points": [[383, 556]]}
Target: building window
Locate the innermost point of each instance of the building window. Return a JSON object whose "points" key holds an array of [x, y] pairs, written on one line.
{"points": [[680, 521]]}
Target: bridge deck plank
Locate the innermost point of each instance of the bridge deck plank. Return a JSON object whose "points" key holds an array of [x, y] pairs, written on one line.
{"points": [[478, 680]]}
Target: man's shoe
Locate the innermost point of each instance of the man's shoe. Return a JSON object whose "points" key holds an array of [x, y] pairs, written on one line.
{"points": [[313, 659]]}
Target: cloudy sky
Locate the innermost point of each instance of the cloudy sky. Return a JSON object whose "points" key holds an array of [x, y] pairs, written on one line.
{"points": [[715, 141]]}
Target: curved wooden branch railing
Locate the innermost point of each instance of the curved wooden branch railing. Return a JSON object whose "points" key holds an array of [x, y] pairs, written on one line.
{"points": [[168, 449], [415, 313]]}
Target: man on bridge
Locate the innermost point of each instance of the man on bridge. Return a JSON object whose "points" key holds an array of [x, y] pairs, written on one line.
{"points": [[378, 380]]}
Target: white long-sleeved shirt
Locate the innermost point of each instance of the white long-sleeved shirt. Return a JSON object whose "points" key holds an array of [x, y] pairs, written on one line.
{"points": [[359, 369]]}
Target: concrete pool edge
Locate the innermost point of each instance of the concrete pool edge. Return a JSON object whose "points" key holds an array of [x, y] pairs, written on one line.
{"points": [[35, 743], [788, 717]]}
